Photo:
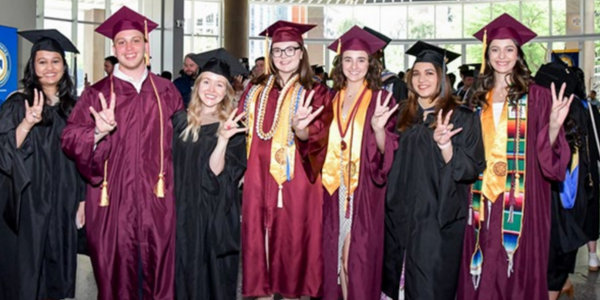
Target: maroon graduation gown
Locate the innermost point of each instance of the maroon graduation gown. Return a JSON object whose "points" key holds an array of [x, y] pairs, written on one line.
{"points": [[544, 163], [137, 227], [295, 260], [365, 257]]}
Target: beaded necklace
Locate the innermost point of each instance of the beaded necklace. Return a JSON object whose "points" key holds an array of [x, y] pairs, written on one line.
{"points": [[262, 107]]}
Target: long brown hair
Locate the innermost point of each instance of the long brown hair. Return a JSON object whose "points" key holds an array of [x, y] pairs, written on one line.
{"points": [[410, 107], [304, 71], [519, 80], [194, 113], [373, 76]]}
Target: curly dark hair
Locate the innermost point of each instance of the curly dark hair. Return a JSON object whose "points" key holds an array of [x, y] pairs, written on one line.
{"points": [[519, 80], [410, 106], [373, 76], [66, 88], [304, 70]]}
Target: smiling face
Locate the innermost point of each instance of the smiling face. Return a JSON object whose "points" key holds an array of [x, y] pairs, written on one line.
{"points": [[49, 67], [502, 55], [424, 79], [355, 65], [285, 64], [212, 89], [129, 48]]}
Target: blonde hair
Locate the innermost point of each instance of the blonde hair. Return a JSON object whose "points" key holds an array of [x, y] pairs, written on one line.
{"points": [[194, 113]]}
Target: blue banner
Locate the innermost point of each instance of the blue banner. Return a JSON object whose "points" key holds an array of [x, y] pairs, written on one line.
{"points": [[570, 57], [8, 61]]}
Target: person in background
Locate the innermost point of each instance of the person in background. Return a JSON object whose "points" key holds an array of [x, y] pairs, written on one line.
{"points": [[185, 83], [593, 100], [401, 75], [109, 64], [166, 75], [41, 198], [452, 79]]}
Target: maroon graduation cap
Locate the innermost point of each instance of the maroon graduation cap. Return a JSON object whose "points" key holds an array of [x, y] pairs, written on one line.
{"points": [[357, 39]]}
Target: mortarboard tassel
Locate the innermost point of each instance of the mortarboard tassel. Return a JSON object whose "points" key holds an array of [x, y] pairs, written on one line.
{"points": [[160, 186], [147, 54], [104, 192], [280, 197], [267, 57], [339, 47], [483, 62]]}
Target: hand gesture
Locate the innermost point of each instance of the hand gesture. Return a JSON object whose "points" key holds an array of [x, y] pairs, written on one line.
{"points": [[444, 130], [560, 106], [33, 114], [80, 217], [382, 112], [238, 83], [305, 115], [230, 127], [105, 120]]}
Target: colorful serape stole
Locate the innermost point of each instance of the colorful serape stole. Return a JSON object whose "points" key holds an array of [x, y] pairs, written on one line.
{"points": [[514, 194]]}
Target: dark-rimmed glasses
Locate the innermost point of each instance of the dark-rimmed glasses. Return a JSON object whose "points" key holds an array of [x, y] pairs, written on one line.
{"points": [[289, 51]]}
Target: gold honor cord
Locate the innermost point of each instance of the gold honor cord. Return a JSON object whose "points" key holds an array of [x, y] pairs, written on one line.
{"points": [[104, 191]]}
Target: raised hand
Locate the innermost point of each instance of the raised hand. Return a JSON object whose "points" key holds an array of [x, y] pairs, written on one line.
{"points": [[33, 114], [560, 106], [105, 120], [230, 127], [305, 115], [444, 130], [382, 112]]}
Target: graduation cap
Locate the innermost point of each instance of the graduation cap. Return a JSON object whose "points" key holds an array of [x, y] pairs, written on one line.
{"points": [[504, 27], [357, 39], [284, 31], [220, 62], [558, 72], [433, 54], [379, 35], [318, 69], [125, 19], [470, 70], [48, 40]]}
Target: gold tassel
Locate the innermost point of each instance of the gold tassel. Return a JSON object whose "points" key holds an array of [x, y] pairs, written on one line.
{"points": [[147, 52], [104, 194], [159, 190], [280, 197], [339, 47], [267, 55], [484, 50], [516, 194]]}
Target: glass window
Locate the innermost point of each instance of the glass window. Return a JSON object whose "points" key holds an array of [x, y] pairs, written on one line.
{"points": [[478, 16], [448, 23], [117, 4], [58, 9], [394, 58], [474, 53], [202, 44], [535, 55], [509, 7], [559, 17], [534, 14], [206, 15], [338, 19], [91, 10], [393, 21], [420, 22]]}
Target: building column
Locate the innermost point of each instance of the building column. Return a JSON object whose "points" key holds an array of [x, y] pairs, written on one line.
{"points": [[236, 22], [589, 50], [93, 57]]}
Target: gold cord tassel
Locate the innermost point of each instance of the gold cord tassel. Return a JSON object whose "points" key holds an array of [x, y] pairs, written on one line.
{"points": [[159, 190], [517, 176], [104, 192], [146, 54], [280, 197], [339, 47], [267, 55], [483, 63]]}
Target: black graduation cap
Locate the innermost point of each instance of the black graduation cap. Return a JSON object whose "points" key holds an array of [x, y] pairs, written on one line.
{"points": [[433, 54], [379, 35], [470, 70], [559, 73], [219, 61], [318, 69], [49, 40]]}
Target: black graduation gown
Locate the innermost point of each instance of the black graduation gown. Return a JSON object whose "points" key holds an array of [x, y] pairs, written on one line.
{"points": [[427, 206], [567, 225], [39, 262], [592, 218], [208, 214]]}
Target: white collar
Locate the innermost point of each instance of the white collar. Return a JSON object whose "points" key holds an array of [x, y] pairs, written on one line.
{"points": [[137, 85]]}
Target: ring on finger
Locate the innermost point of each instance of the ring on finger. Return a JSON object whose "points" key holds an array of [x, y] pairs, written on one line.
{"points": [[34, 114]]}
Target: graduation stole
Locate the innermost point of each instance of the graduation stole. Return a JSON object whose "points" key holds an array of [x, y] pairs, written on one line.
{"points": [[283, 149], [505, 150], [345, 144]]}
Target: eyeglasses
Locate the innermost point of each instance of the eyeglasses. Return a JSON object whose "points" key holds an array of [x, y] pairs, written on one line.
{"points": [[289, 51]]}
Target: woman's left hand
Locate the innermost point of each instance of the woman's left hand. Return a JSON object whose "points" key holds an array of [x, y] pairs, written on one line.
{"points": [[382, 112], [230, 127], [560, 106], [444, 130]]}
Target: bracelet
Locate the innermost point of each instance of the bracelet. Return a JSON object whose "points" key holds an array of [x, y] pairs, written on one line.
{"points": [[444, 146], [24, 130]]}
